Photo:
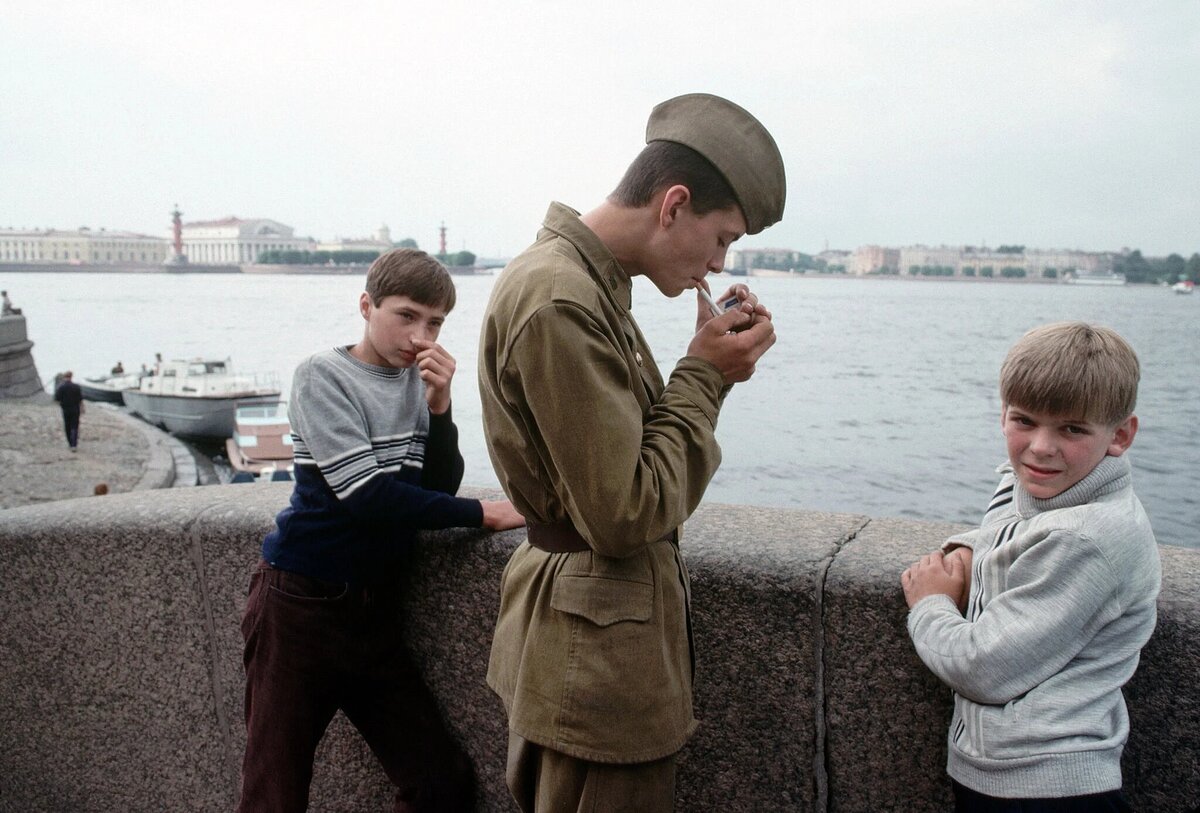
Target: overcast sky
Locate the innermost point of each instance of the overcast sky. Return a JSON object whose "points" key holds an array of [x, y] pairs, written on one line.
{"points": [[1053, 124]]}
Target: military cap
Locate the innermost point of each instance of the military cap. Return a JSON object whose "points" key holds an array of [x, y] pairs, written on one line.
{"points": [[735, 143]]}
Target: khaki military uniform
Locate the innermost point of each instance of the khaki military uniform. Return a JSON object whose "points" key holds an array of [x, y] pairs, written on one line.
{"points": [[591, 654]]}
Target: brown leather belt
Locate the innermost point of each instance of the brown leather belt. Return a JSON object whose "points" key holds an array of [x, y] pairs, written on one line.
{"points": [[561, 537]]}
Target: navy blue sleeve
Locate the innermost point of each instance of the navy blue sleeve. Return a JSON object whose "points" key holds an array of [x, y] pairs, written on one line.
{"points": [[384, 498], [444, 467]]}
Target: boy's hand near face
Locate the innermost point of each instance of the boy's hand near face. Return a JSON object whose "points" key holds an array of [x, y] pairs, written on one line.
{"points": [[436, 368], [932, 575]]}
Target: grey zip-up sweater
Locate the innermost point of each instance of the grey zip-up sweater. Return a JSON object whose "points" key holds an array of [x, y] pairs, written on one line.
{"points": [[1062, 600]]}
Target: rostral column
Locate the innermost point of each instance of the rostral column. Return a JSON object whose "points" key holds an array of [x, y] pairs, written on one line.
{"points": [[177, 258]]}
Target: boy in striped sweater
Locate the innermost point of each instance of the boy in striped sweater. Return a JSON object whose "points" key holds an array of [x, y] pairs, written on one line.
{"points": [[376, 460], [1037, 618]]}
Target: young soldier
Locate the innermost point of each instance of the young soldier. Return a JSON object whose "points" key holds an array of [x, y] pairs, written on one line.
{"points": [[592, 654], [377, 459]]}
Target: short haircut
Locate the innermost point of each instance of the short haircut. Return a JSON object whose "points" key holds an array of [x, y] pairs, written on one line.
{"points": [[664, 164], [412, 273], [1072, 369]]}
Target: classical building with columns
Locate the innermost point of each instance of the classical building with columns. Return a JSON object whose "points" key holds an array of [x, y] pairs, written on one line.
{"points": [[235, 241], [81, 247]]}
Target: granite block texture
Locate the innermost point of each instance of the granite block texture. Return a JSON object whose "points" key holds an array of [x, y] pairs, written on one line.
{"points": [[756, 624], [121, 676], [1161, 764], [107, 694], [886, 714]]}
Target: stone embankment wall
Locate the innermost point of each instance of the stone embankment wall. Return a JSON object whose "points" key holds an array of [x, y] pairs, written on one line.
{"points": [[121, 675], [358, 269], [119, 268], [18, 373]]}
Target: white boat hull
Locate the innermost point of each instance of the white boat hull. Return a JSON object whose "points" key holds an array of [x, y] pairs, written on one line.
{"points": [[196, 416], [1095, 279], [111, 389]]}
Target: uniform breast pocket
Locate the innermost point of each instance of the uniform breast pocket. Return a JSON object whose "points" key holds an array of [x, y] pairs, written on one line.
{"points": [[603, 601]]}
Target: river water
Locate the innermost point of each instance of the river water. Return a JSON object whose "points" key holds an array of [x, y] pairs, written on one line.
{"points": [[879, 397]]}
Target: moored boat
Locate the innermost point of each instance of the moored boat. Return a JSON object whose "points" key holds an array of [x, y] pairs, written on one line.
{"points": [[1184, 287], [1094, 278], [196, 398], [262, 440], [110, 388]]}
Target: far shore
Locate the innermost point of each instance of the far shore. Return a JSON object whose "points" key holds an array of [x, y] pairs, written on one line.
{"points": [[361, 268]]}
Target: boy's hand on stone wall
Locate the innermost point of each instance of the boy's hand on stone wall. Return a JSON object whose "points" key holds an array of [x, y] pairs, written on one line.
{"points": [[500, 515], [966, 555], [932, 575]]}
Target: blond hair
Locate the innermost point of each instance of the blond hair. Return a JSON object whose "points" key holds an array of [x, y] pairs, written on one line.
{"points": [[1072, 369], [413, 273]]}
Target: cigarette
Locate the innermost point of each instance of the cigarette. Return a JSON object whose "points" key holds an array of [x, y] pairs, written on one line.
{"points": [[712, 303], [716, 309]]}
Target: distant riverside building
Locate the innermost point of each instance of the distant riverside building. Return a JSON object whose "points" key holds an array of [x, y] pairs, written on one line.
{"points": [[910, 257], [871, 260], [81, 247], [750, 258], [973, 261], [235, 241], [835, 258], [381, 242]]}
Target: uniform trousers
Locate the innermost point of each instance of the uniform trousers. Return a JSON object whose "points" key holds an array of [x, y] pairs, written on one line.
{"points": [[314, 647], [548, 781]]}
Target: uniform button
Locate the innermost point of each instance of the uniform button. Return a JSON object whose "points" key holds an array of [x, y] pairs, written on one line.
{"points": [[638, 358]]}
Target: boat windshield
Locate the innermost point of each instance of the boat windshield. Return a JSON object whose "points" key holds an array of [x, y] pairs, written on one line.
{"points": [[262, 413], [206, 368]]}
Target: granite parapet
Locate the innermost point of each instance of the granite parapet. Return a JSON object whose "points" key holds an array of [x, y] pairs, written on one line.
{"points": [[122, 679]]}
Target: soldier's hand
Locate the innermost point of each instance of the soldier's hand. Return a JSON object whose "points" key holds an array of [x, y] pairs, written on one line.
{"points": [[734, 341], [738, 290]]}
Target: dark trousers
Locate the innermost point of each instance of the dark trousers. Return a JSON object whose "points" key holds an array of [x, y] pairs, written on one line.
{"points": [[71, 424], [969, 801], [313, 648]]}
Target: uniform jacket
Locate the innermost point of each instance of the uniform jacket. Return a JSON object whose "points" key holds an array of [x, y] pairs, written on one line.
{"points": [[591, 654]]}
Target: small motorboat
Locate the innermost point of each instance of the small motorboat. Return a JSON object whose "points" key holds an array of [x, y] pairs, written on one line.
{"points": [[1184, 287], [261, 446], [196, 398], [111, 388]]}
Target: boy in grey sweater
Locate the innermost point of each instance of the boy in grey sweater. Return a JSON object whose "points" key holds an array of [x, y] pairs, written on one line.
{"points": [[1037, 618], [377, 461]]}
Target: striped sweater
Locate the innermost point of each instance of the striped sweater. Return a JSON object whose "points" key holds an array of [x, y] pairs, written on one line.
{"points": [[1062, 600], [372, 467]]}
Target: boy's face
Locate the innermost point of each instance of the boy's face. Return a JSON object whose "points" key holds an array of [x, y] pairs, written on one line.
{"points": [[391, 327], [693, 247], [1051, 453]]}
